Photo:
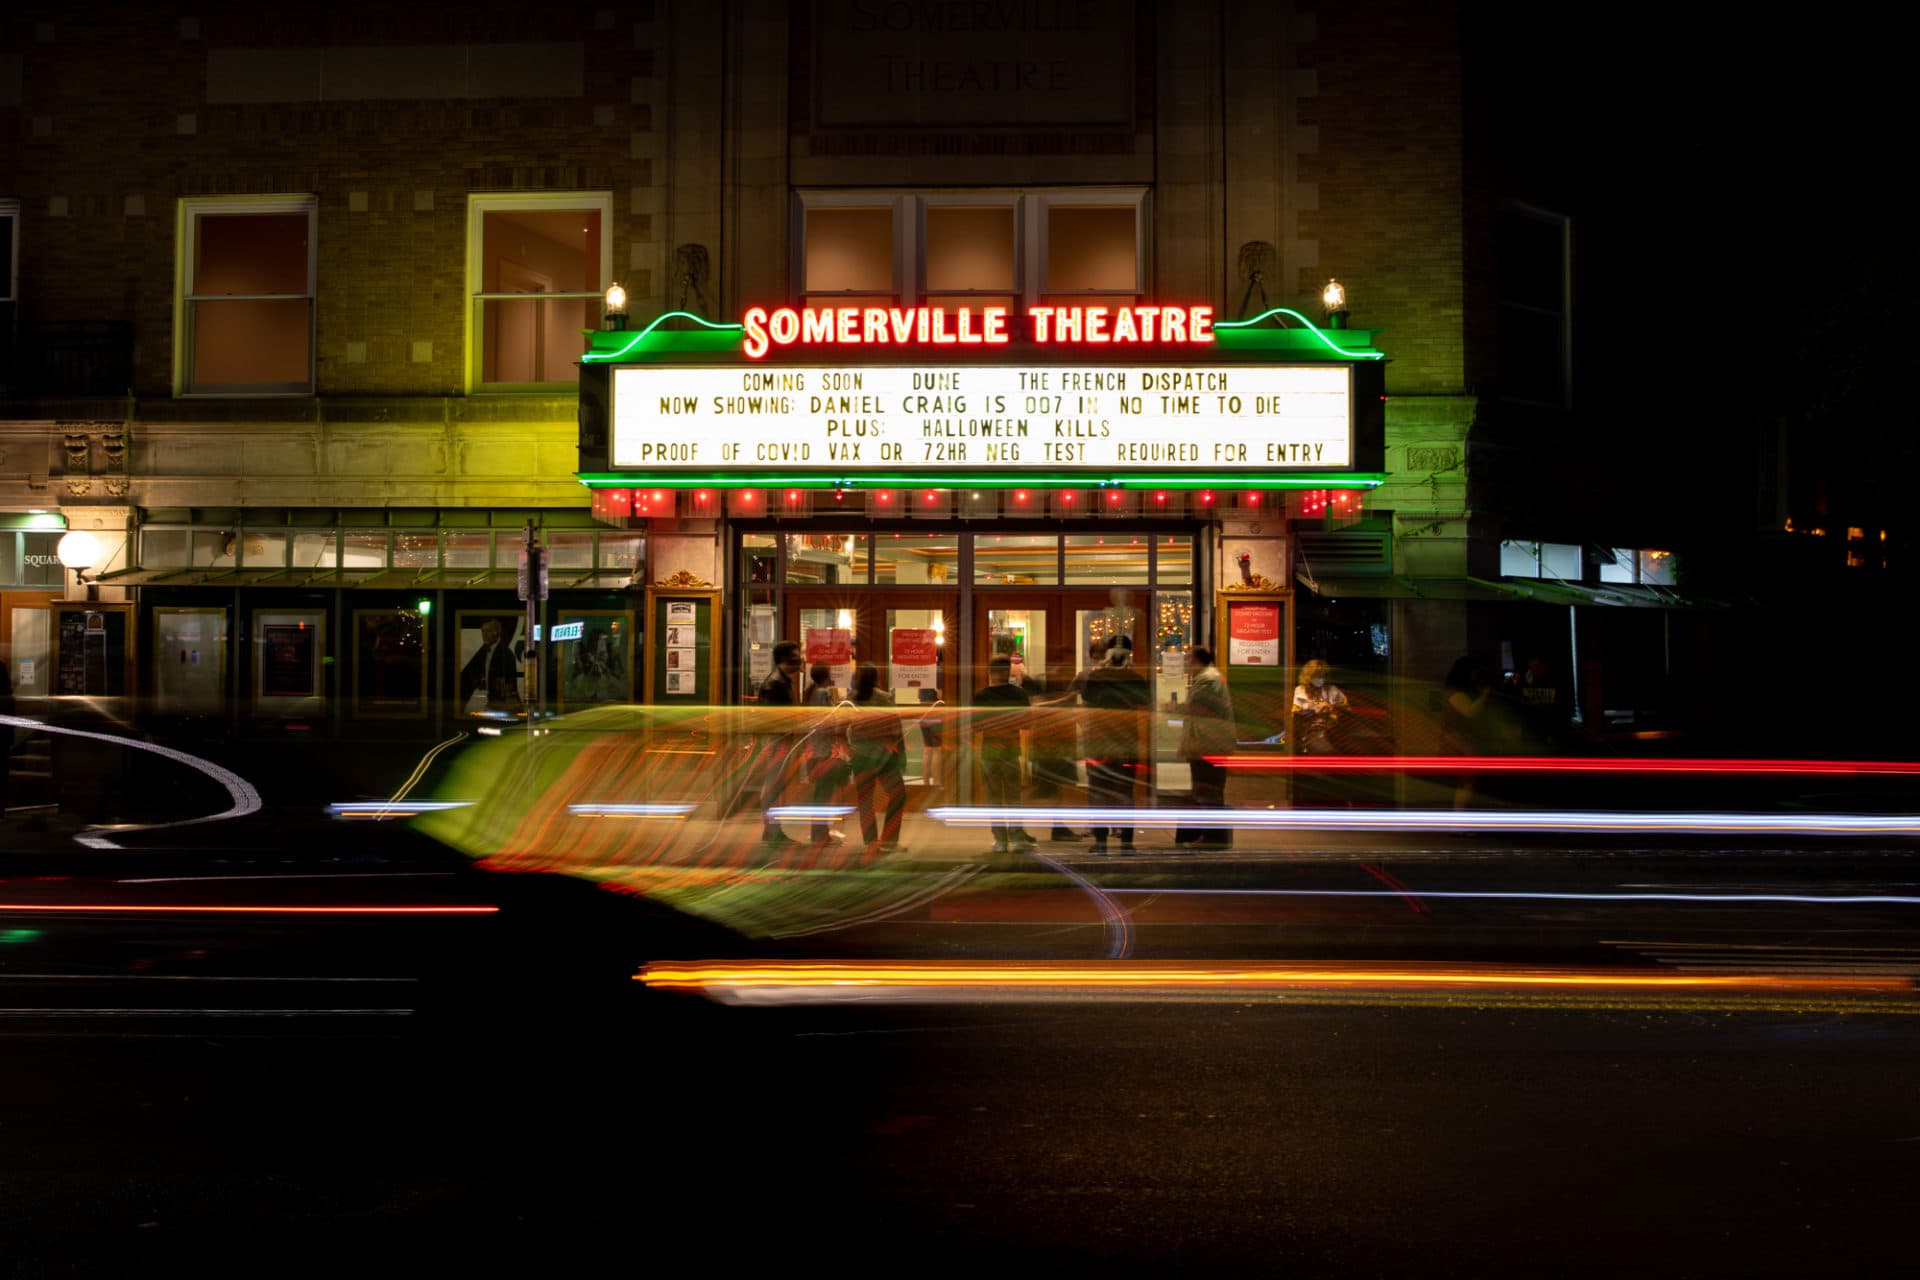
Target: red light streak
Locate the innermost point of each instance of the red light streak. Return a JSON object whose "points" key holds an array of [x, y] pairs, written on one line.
{"points": [[202, 909], [1556, 764]]}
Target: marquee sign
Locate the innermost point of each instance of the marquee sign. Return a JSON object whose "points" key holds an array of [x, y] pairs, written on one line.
{"points": [[1112, 418]]}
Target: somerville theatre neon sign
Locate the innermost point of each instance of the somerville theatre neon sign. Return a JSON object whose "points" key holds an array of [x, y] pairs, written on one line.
{"points": [[933, 326], [958, 391]]}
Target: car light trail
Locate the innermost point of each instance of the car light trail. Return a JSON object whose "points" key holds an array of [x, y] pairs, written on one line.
{"points": [[379, 809], [629, 810], [244, 798], [1543, 895], [1545, 820], [802, 812], [803, 981], [1557, 764], [145, 908]]}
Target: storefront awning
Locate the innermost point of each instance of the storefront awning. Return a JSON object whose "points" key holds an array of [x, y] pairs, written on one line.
{"points": [[1398, 587], [1507, 591], [1616, 595]]}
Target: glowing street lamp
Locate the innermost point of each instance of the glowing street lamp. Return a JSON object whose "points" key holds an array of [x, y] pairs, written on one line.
{"points": [[79, 551]]}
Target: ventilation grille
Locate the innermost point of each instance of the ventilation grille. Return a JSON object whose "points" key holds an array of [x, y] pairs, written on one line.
{"points": [[1345, 554]]}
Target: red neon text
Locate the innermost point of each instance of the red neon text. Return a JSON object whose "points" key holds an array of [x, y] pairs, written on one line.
{"points": [[933, 326]]}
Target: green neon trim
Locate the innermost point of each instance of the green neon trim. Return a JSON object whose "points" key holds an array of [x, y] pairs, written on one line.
{"points": [[600, 357], [1317, 331], [983, 480]]}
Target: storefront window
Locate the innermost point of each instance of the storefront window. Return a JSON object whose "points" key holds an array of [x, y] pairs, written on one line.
{"points": [[569, 551], [267, 550], [363, 549], [911, 558], [315, 550], [1016, 559], [761, 557], [40, 560], [164, 548], [416, 550], [623, 552], [468, 550], [213, 549], [1106, 559], [1173, 561], [826, 559]]}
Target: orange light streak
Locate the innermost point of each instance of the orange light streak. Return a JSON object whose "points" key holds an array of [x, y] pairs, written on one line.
{"points": [[1134, 975]]}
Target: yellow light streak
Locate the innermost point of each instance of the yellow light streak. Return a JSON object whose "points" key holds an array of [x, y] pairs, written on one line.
{"points": [[1093, 976]]}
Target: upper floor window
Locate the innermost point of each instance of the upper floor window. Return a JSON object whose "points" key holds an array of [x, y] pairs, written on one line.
{"points": [[537, 267], [1533, 279], [244, 308], [968, 248], [9, 285]]}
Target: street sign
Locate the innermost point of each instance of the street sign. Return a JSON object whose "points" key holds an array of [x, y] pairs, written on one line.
{"points": [[533, 574]]}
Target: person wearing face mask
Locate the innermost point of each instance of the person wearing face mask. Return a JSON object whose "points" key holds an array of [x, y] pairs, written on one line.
{"points": [[1318, 705]]}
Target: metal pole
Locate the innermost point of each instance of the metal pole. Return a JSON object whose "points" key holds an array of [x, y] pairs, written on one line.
{"points": [[532, 668]]}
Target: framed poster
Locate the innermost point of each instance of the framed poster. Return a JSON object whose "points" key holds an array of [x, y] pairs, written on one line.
{"points": [[490, 647], [598, 667], [1253, 633], [92, 649], [389, 663], [289, 647], [681, 652]]}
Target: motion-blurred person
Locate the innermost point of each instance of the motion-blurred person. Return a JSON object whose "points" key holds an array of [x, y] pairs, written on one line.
{"points": [[1000, 749], [1547, 707], [1465, 718], [879, 747], [933, 739], [826, 749], [779, 689], [1206, 730], [1113, 738], [1318, 705]]}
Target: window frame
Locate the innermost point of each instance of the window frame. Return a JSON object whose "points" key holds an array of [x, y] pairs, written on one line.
{"points": [[1030, 216], [186, 242], [479, 204]]}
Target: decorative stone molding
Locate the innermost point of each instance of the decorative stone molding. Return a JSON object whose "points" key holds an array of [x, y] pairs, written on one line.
{"points": [[113, 446], [685, 580], [1432, 458], [79, 464]]}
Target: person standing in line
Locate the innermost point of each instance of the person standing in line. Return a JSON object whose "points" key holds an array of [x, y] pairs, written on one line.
{"points": [[1000, 728], [879, 746], [1120, 698], [1208, 731], [779, 689]]}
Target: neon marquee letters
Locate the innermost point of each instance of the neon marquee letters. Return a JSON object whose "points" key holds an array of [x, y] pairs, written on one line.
{"points": [[934, 326]]}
